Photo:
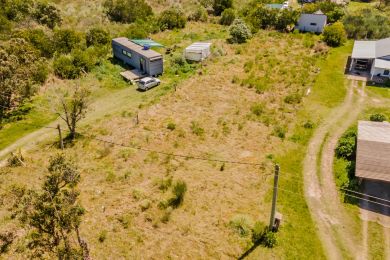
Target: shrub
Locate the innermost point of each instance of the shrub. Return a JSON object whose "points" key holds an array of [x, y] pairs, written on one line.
{"points": [[97, 36], [258, 232], [346, 145], [279, 132], [242, 224], [228, 16], [5, 25], [200, 15], [269, 239], [48, 15], [220, 5], [239, 31], [171, 126], [257, 109], [308, 124], [196, 129], [334, 35], [83, 60], [127, 11], [295, 98], [64, 67], [40, 40], [367, 24], [65, 40], [102, 236], [378, 117], [171, 19], [179, 190], [165, 183]]}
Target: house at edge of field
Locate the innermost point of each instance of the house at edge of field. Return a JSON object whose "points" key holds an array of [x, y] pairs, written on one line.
{"points": [[373, 151], [312, 22], [372, 57], [140, 57], [197, 51]]}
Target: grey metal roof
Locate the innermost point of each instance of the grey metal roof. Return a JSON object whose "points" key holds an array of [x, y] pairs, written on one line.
{"points": [[319, 19], [371, 49], [137, 48], [373, 150], [383, 47], [196, 46], [383, 64], [364, 50]]}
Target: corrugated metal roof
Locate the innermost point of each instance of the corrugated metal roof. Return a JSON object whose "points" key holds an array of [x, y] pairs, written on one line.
{"points": [[373, 150], [137, 48], [383, 64], [198, 46], [371, 49]]}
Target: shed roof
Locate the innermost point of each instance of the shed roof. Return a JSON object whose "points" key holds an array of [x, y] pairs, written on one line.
{"points": [[275, 6], [137, 48], [319, 19], [371, 49], [147, 42], [373, 150], [383, 64], [198, 46]]}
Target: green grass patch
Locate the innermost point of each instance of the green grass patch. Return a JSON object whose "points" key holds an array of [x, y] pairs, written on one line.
{"points": [[376, 246]]}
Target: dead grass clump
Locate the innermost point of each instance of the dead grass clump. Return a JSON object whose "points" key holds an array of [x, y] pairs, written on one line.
{"points": [[16, 159], [197, 129], [164, 183]]}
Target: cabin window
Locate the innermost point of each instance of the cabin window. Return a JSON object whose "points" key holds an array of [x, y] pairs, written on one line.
{"points": [[313, 24], [386, 72], [128, 54]]}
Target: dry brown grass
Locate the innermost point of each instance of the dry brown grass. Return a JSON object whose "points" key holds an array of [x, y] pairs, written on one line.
{"points": [[117, 181]]}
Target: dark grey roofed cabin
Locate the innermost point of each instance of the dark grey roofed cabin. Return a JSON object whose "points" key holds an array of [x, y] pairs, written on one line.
{"points": [[145, 60]]}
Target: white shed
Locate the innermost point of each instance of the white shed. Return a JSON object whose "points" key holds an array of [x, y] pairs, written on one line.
{"points": [[197, 51]]}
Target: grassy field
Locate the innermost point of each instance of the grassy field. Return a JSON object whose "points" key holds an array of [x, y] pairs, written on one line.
{"points": [[216, 115]]}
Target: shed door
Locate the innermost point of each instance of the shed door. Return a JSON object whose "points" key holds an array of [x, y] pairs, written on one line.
{"points": [[142, 64]]}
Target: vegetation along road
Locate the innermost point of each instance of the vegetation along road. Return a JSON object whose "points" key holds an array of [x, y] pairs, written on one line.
{"points": [[320, 190]]}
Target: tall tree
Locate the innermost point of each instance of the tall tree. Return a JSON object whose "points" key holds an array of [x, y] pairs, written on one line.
{"points": [[53, 214], [72, 108]]}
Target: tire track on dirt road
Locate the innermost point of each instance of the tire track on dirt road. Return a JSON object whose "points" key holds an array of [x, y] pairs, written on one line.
{"points": [[320, 190]]}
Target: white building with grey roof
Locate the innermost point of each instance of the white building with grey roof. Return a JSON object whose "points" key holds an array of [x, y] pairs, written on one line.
{"points": [[372, 57]]}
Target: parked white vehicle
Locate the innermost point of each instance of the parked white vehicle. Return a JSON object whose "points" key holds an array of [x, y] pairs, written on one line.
{"points": [[148, 83]]}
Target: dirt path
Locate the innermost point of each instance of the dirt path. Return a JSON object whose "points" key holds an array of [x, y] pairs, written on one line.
{"points": [[320, 190], [115, 102]]}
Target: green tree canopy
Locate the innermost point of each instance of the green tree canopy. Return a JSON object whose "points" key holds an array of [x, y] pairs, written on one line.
{"points": [[334, 35], [127, 11]]}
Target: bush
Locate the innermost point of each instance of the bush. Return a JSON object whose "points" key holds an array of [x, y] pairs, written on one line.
{"points": [[269, 239], [257, 109], [179, 190], [220, 5], [171, 126], [228, 16], [40, 40], [102, 236], [196, 129], [64, 67], [200, 15], [97, 36], [65, 40], [295, 98], [127, 11], [84, 60], [242, 224], [334, 35], [378, 117], [239, 31], [171, 19], [16, 10], [5, 25], [258, 232], [48, 15], [367, 24], [346, 145]]}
